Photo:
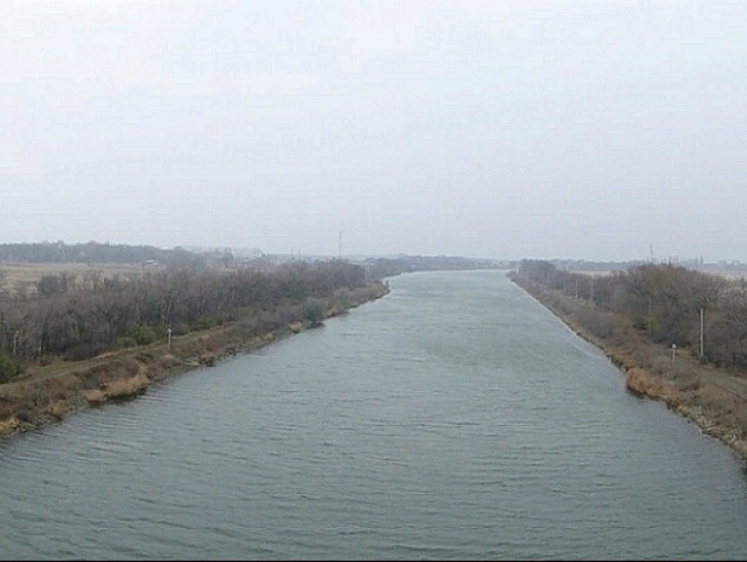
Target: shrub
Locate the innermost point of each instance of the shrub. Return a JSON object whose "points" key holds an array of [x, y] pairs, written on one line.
{"points": [[344, 298], [313, 311], [143, 335], [125, 342], [126, 388], [205, 323], [8, 368], [661, 366]]}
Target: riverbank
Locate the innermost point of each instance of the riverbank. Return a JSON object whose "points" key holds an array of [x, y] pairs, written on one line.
{"points": [[714, 399], [48, 394]]}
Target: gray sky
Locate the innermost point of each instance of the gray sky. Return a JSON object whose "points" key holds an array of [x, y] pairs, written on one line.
{"points": [[505, 129]]}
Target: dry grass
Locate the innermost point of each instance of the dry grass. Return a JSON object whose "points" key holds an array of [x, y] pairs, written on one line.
{"points": [[125, 388], [57, 409], [94, 396], [9, 425], [641, 383], [622, 359], [26, 275]]}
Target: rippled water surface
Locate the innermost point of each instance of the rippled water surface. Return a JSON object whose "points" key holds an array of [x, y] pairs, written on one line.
{"points": [[455, 418]]}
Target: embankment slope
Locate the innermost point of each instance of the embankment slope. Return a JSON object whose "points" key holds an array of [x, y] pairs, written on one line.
{"points": [[712, 398], [50, 393]]}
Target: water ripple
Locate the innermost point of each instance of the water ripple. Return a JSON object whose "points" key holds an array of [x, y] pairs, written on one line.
{"points": [[455, 419]]}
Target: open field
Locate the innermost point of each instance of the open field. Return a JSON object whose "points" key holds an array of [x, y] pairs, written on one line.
{"points": [[729, 274], [24, 276]]}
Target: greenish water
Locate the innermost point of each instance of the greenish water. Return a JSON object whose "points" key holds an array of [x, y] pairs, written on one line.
{"points": [[455, 418]]}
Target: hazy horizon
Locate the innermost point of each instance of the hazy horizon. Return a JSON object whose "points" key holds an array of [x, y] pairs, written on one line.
{"points": [[244, 251], [504, 130]]}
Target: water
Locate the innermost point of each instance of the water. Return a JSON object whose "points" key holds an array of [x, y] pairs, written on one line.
{"points": [[454, 419]]}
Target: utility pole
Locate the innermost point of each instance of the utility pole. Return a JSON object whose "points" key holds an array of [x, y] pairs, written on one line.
{"points": [[339, 246]]}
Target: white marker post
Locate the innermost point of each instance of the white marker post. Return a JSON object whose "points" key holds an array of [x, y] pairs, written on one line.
{"points": [[169, 334], [674, 352]]}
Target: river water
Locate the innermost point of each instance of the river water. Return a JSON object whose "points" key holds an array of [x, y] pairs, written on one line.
{"points": [[456, 418]]}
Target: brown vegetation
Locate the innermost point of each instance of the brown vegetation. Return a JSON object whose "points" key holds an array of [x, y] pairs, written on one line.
{"points": [[712, 394], [125, 388], [23, 278], [642, 383], [62, 349]]}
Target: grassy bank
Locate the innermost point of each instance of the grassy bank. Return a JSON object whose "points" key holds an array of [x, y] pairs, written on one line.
{"points": [[714, 399], [51, 392]]}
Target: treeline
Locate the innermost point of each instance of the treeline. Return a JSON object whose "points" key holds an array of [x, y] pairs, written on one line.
{"points": [[388, 267], [78, 318], [95, 252], [668, 303]]}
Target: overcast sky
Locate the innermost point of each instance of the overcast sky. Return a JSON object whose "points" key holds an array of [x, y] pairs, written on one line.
{"points": [[504, 129]]}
